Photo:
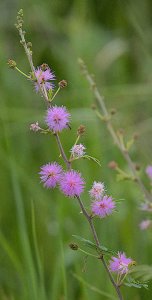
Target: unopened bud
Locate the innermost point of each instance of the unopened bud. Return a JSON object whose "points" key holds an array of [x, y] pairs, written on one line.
{"points": [[120, 131], [12, 63], [35, 127], [81, 130], [29, 45], [62, 84], [136, 136], [93, 106], [44, 67], [113, 111], [73, 246], [112, 165], [137, 167]]}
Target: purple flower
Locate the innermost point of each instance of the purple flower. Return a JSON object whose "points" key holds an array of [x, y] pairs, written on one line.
{"points": [[57, 118], [149, 171], [145, 224], [120, 264], [44, 77], [103, 207], [97, 190], [78, 150], [50, 174], [71, 183]]}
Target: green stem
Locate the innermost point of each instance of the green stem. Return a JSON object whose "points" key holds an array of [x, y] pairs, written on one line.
{"points": [[22, 73], [87, 253], [55, 94]]}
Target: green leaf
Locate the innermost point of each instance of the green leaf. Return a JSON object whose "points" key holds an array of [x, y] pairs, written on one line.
{"points": [[50, 93], [92, 245], [93, 159], [137, 284], [143, 272]]}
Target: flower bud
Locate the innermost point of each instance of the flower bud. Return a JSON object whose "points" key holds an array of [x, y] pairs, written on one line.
{"points": [[44, 67], [73, 246], [29, 45], [120, 131], [93, 106], [62, 84], [113, 111], [81, 130], [136, 136], [137, 167], [35, 127], [112, 165], [12, 63]]}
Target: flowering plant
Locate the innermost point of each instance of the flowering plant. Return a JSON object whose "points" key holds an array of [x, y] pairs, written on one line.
{"points": [[69, 181]]}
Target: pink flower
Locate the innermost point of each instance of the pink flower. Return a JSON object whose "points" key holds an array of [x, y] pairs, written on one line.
{"points": [[57, 118], [35, 127], [97, 190], [78, 150], [44, 77], [103, 207], [149, 171], [145, 224], [51, 174], [120, 264], [71, 183]]}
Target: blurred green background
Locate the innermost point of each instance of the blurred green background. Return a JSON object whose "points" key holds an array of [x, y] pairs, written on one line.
{"points": [[114, 38]]}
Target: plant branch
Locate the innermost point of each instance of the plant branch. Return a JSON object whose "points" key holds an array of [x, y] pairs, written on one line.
{"points": [[100, 101], [68, 163], [90, 221], [29, 56]]}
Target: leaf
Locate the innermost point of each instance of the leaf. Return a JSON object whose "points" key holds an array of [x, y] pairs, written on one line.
{"points": [[92, 245], [93, 159], [143, 272], [137, 284], [50, 93]]}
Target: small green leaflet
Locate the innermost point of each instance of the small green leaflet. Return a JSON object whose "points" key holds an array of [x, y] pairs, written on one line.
{"points": [[92, 245], [92, 158], [137, 284]]}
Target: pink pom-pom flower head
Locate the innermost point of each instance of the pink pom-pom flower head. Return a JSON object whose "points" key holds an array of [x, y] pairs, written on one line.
{"points": [[50, 174], [71, 183], [44, 78], [103, 207], [57, 118], [78, 150], [120, 264], [97, 190]]}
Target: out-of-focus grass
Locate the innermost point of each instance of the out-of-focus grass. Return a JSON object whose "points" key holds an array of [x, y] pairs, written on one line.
{"points": [[37, 224]]}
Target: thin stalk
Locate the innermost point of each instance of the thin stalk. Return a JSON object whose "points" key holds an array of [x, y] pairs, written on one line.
{"points": [[90, 221], [100, 101], [17, 69], [29, 56], [68, 164], [55, 94]]}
